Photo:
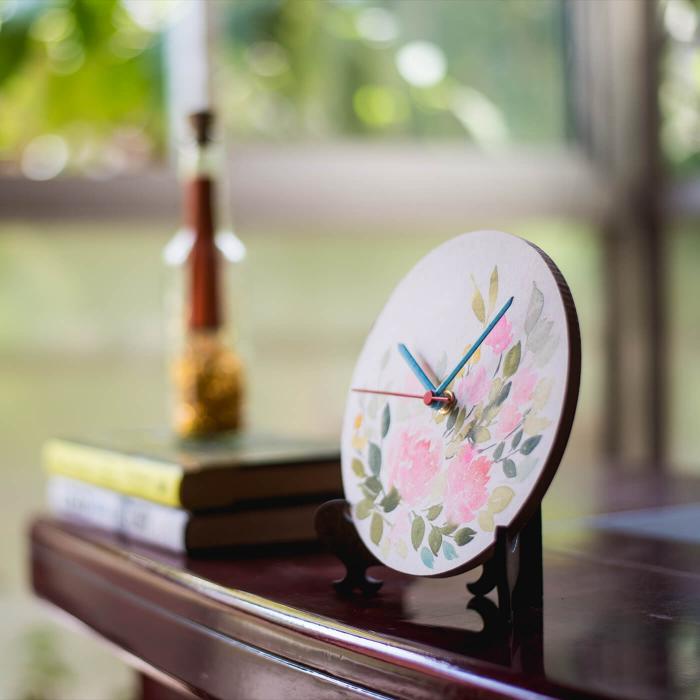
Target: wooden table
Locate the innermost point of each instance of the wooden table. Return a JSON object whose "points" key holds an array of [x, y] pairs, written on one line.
{"points": [[621, 617]]}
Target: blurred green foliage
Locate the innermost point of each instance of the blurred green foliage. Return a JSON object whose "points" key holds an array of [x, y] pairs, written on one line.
{"points": [[82, 69], [488, 72]]}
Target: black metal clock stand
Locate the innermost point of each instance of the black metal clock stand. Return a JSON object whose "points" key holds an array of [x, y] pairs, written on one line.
{"points": [[514, 569]]}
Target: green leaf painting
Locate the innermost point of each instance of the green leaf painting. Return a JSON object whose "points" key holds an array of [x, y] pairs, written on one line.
{"points": [[358, 468], [496, 386], [369, 495], [534, 309], [529, 445], [434, 511], [435, 540], [460, 420], [390, 501], [478, 306], [373, 484], [464, 536], [453, 448], [481, 434], [375, 458], [376, 528], [499, 499], [449, 551], [386, 420], [510, 364], [516, 439], [452, 419], [427, 557], [509, 468], [540, 336], [486, 521], [417, 531], [363, 508], [503, 395], [493, 289]]}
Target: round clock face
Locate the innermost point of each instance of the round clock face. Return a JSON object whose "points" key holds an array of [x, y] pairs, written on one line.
{"points": [[429, 484]]}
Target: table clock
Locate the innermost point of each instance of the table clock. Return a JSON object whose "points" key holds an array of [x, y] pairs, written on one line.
{"points": [[459, 409]]}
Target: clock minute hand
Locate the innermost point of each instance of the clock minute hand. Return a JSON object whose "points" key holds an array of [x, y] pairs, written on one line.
{"points": [[417, 369], [446, 382]]}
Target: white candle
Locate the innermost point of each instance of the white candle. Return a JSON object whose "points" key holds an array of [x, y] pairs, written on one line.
{"points": [[188, 64], [196, 55]]}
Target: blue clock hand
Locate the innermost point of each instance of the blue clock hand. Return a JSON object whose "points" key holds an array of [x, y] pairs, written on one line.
{"points": [[473, 348], [417, 370]]}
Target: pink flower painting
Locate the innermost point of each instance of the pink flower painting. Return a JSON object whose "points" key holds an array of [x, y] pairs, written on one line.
{"points": [[473, 387], [508, 420], [524, 383], [467, 478], [414, 457], [500, 337]]}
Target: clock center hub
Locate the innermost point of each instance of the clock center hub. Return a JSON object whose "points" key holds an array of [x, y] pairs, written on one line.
{"points": [[445, 401]]}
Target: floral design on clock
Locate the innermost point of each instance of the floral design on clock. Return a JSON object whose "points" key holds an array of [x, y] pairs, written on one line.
{"points": [[432, 487]]}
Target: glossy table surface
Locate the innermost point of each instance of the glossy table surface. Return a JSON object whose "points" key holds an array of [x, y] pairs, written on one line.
{"points": [[621, 613]]}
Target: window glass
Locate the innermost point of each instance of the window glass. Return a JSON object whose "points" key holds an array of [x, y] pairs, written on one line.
{"points": [[679, 92], [684, 335], [488, 72]]}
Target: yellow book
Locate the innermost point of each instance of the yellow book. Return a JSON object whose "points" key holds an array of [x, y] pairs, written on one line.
{"points": [[202, 474]]}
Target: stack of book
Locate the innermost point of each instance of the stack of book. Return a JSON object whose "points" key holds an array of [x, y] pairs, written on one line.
{"points": [[240, 491]]}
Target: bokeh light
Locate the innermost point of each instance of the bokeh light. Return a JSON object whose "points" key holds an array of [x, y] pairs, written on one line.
{"points": [[479, 116], [54, 25], [680, 20], [44, 157], [421, 63], [380, 106], [376, 24], [154, 15]]}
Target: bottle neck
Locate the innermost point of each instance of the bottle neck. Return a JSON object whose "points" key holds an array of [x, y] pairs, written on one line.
{"points": [[205, 303], [199, 207]]}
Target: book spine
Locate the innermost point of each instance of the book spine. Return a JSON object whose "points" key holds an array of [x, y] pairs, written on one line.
{"points": [[127, 474], [137, 519]]}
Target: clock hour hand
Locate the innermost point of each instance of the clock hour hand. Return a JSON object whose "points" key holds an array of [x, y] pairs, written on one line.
{"points": [[446, 382], [416, 368]]}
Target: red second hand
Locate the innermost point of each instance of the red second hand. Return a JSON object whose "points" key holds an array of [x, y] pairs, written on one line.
{"points": [[428, 397]]}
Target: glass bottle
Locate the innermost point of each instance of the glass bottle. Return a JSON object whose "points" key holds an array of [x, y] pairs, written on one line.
{"points": [[206, 372]]}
